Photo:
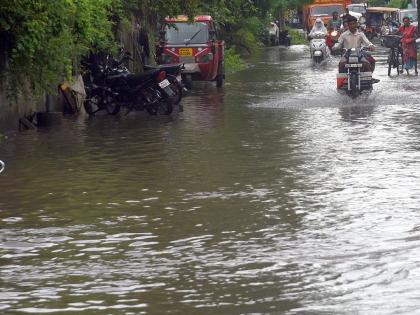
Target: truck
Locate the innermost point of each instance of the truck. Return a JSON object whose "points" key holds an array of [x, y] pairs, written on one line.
{"points": [[322, 9]]}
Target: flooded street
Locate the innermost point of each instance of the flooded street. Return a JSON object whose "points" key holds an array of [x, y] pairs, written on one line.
{"points": [[274, 195]]}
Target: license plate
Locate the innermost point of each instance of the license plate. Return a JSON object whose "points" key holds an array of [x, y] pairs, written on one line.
{"points": [[354, 65], [178, 78], [168, 91], [164, 84], [317, 53], [185, 52]]}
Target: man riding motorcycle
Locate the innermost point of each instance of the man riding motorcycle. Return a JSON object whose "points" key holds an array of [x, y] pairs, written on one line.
{"points": [[353, 38]]}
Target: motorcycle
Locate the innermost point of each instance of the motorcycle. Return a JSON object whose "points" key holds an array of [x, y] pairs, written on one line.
{"points": [[318, 47], [112, 86], [332, 39], [173, 75], [355, 80]]}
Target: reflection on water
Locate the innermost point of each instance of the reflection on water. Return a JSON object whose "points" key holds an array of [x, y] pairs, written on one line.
{"points": [[275, 195]]}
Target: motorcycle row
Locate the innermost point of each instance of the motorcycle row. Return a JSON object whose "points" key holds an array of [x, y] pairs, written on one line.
{"points": [[353, 81], [111, 87]]}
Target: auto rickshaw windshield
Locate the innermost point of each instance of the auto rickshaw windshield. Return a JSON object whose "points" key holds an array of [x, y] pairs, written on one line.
{"points": [[187, 33]]}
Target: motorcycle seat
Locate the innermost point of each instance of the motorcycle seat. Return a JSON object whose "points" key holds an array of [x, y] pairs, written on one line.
{"points": [[172, 69], [132, 79]]}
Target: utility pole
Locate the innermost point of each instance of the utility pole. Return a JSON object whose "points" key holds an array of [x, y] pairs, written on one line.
{"points": [[418, 11]]}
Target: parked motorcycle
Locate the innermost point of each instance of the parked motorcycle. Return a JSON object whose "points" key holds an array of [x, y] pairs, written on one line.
{"points": [[318, 47], [173, 75], [111, 86], [355, 80]]}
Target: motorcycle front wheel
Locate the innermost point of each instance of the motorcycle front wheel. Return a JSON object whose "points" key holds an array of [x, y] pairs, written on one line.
{"points": [[93, 104], [353, 85], [318, 59], [112, 108]]}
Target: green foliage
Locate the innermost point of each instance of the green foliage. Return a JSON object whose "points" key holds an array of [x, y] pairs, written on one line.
{"points": [[378, 3], [44, 40], [298, 37], [233, 61], [44, 37], [258, 27], [400, 4]]}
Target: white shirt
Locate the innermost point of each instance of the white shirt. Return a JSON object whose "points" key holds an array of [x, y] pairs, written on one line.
{"points": [[349, 40]]}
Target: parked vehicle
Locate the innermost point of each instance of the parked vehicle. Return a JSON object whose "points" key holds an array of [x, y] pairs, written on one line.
{"points": [[375, 17], [285, 38], [354, 81], [410, 13], [322, 9], [173, 74], [196, 45], [318, 48], [110, 86], [358, 8]]}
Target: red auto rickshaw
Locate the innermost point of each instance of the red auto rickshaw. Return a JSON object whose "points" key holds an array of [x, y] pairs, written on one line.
{"points": [[196, 45]]}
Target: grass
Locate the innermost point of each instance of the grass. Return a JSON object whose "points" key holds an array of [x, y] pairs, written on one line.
{"points": [[233, 61]]}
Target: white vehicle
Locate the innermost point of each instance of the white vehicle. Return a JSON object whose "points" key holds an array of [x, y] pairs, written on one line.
{"points": [[357, 10], [318, 47], [411, 13]]}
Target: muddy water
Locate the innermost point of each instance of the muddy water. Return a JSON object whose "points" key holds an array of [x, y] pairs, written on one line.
{"points": [[274, 195]]}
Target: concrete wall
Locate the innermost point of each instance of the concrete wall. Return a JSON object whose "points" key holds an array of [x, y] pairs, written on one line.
{"points": [[11, 111]]}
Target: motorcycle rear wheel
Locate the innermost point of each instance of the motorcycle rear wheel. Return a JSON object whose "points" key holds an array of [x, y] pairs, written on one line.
{"points": [[177, 88], [163, 107]]}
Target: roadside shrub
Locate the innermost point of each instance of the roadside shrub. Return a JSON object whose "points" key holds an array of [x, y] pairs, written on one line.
{"points": [[298, 37], [233, 61]]}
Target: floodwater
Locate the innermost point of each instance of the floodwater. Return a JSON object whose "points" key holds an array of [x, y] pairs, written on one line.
{"points": [[274, 195]]}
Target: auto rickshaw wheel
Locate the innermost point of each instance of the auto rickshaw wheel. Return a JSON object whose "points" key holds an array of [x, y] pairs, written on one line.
{"points": [[188, 81], [220, 76]]}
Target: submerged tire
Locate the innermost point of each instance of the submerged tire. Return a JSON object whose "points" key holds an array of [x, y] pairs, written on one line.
{"points": [[188, 81], [219, 80], [93, 104], [163, 107], [111, 106], [353, 85], [177, 88]]}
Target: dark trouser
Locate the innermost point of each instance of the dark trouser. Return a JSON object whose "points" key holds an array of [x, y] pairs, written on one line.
{"points": [[367, 66]]}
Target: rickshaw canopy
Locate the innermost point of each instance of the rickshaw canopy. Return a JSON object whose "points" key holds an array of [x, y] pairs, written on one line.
{"points": [[381, 10]]}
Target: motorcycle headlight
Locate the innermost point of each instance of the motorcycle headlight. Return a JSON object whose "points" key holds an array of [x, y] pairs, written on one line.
{"points": [[334, 34]]}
